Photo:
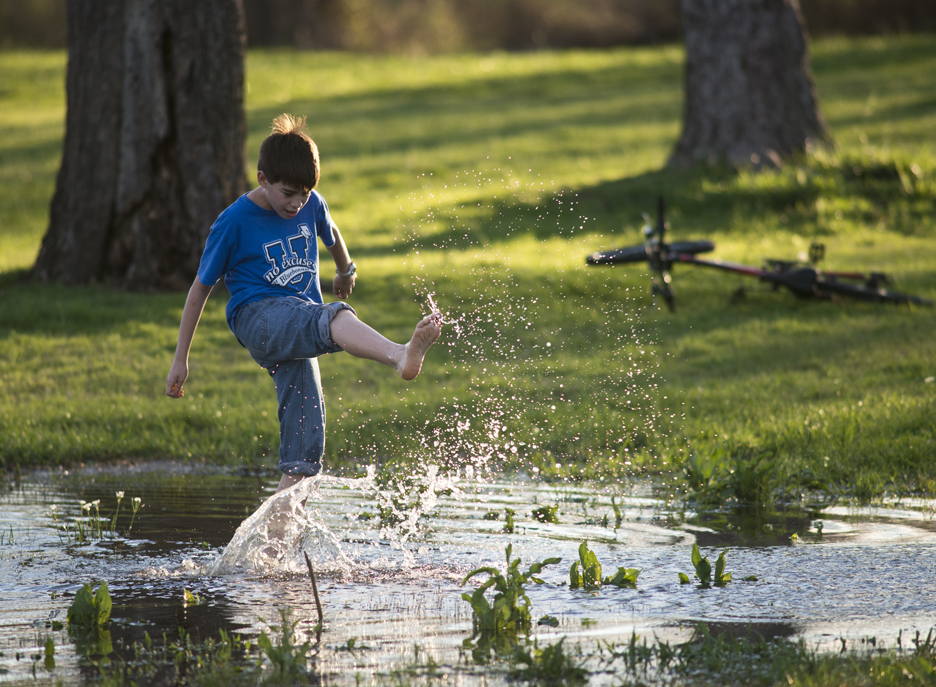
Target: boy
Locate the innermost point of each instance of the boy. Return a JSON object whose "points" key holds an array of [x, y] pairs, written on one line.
{"points": [[264, 245]]}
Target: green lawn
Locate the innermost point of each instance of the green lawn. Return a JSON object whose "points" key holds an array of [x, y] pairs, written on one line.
{"points": [[482, 181]]}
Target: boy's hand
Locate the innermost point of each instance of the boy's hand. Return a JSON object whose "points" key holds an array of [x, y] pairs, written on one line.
{"points": [[177, 376], [342, 286]]}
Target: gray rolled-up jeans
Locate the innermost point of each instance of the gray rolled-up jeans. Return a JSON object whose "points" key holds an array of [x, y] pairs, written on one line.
{"points": [[285, 336]]}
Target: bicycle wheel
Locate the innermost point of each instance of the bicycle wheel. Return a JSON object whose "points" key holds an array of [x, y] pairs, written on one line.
{"points": [[639, 253], [866, 293]]}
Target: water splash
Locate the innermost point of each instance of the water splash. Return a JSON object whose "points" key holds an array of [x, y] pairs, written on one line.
{"points": [[518, 347], [404, 498], [286, 526], [289, 525]]}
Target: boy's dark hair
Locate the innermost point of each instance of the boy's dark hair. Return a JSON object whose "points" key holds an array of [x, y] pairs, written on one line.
{"points": [[288, 155]]}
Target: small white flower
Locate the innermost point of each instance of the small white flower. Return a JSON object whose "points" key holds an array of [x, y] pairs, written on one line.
{"points": [[96, 503], [120, 495]]}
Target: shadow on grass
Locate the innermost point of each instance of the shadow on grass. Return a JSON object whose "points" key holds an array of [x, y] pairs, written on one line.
{"points": [[476, 111], [700, 203], [848, 59], [34, 153], [27, 306]]}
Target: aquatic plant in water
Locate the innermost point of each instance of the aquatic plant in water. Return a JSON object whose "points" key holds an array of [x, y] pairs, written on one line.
{"points": [[509, 520], [546, 514], [89, 527], [726, 658], [289, 661], [229, 660], [88, 617], [618, 515], [590, 575], [90, 608], [624, 577], [703, 570], [135, 504], [738, 474], [509, 613]]}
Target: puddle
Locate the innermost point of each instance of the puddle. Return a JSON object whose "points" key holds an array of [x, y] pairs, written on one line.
{"points": [[869, 572]]}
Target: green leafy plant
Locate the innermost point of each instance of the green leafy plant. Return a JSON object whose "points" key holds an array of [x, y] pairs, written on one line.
{"points": [[546, 514], [618, 515], [590, 575], [586, 572], [509, 612], [287, 658], [624, 577], [737, 474], [88, 618], [90, 609], [703, 569], [509, 521]]}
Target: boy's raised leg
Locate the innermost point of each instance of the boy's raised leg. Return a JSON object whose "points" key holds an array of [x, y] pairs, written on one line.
{"points": [[363, 341]]}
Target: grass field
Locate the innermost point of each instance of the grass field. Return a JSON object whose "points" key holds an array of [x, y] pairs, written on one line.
{"points": [[482, 181]]}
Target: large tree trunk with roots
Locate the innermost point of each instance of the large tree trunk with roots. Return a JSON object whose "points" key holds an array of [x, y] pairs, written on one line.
{"points": [[154, 140], [749, 91]]}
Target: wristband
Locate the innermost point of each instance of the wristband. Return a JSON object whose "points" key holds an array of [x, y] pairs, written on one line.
{"points": [[351, 270]]}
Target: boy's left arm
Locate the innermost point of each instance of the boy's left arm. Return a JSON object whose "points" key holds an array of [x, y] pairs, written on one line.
{"points": [[345, 273]]}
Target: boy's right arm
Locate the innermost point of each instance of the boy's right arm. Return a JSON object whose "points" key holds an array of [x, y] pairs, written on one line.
{"points": [[191, 314]]}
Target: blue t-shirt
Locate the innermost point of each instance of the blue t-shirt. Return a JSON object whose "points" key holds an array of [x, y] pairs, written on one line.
{"points": [[261, 255]]}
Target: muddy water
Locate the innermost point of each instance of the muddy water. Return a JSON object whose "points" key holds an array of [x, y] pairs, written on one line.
{"points": [[869, 572]]}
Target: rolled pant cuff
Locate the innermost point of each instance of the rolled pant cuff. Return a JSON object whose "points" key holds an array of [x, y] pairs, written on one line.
{"points": [[300, 469]]}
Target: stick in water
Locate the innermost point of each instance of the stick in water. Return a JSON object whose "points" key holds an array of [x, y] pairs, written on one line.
{"points": [[318, 604]]}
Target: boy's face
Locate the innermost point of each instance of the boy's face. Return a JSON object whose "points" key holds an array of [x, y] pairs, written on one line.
{"points": [[283, 199]]}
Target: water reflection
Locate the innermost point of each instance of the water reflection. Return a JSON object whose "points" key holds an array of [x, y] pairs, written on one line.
{"points": [[751, 526]]}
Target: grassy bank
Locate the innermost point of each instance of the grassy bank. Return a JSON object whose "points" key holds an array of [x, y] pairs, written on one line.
{"points": [[483, 181]]}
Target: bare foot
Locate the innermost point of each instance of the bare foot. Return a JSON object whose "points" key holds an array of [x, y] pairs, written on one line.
{"points": [[427, 331]]}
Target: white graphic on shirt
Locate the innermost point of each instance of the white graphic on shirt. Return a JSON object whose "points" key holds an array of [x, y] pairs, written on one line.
{"points": [[291, 266]]}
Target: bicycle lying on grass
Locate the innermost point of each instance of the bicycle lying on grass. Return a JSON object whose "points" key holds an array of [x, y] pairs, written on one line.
{"points": [[802, 279]]}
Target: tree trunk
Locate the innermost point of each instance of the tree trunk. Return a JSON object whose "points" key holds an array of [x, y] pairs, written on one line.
{"points": [[749, 91], [154, 140]]}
